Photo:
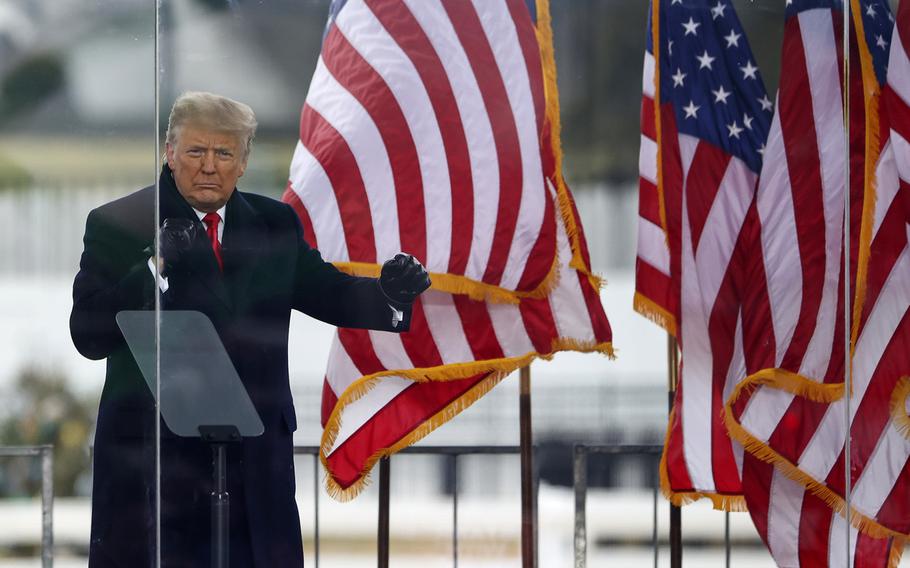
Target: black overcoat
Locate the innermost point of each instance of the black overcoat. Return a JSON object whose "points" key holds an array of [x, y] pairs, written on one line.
{"points": [[268, 270]]}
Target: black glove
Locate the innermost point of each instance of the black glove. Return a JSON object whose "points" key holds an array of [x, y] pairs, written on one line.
{"points": [[176, 237], [403, 278]]}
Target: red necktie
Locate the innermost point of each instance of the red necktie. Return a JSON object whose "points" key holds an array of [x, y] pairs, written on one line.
{"points": [[211, 221]]}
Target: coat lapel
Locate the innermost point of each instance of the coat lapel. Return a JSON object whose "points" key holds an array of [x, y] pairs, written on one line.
{"points": [[243, 243], [203, 266]]}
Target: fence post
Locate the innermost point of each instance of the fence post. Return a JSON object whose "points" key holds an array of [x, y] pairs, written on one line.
{"points": [[47, 506], [316, 505], [454, 465], [580, 483], [528, 501], [675, 512], [383, 544]]}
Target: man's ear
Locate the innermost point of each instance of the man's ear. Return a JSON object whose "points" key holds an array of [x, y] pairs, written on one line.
{"points": [[169, 154]]}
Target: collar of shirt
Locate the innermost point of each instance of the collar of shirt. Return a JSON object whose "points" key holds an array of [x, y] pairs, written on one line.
{"points": [[220, 212]]}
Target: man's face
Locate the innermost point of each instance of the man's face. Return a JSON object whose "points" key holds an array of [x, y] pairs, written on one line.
{"points": [[206, 165]]}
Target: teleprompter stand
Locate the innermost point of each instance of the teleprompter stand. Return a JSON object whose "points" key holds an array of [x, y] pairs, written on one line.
{"points": [[199, 395]]}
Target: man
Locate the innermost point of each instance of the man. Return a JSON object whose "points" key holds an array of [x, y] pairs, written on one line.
{"points": [[242, 261]]}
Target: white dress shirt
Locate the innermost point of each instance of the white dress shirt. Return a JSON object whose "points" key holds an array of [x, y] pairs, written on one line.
{"points": [[162, 281]]}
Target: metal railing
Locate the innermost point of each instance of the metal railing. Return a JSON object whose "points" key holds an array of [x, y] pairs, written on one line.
{"points": [[46, 453], [580, 485], [452, 452]]}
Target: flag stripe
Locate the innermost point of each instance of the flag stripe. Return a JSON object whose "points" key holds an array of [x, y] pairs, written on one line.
{"points": [[783, 519], [505, 133], [875, 445], [815, 523], [543, 254], [315, 192], [488, 157], [723, 324], [383, 55], [328, 147], [649, 208], [447, 327], [502, 35], [827, 109], [329, 400], [364, 83], [893, 511], [418, 342], [709, 166], [478, 129], [357, 344], [677, 470], [603, 333], [412, 407], [481, 56], [508, 326], [475, 319], [528, 43], [818, 458], [338, 107], [801, 143], [290, 197], [410, 36], [360, 414]]}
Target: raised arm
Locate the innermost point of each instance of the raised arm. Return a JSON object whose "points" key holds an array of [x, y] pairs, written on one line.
{"points": [[337, 298]]}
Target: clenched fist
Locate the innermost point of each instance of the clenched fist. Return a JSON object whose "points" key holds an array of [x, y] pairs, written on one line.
{"points": [[403, 278]]}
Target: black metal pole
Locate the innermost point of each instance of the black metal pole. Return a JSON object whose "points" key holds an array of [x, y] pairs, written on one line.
{"points": [[528, 503], [221, 503], [383, 537], [316, 505], [454, 466], [675, 512]]}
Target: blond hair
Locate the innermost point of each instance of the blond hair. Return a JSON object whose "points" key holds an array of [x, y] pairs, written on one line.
{"points": [[212, 112]]}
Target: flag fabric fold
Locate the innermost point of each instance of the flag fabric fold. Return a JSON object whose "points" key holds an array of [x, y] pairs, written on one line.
{"points": [[705, 118], [761, 325], [428, 128], [790, 413], [433, 128]]}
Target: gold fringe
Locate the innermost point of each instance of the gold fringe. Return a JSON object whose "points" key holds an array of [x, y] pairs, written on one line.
{"points": [[899, 407], [729, 503], [568, 344], [871, 99], [792, 383], [342, 494], [499, 368], [651, 310], [462, 285], [655, 40], [897, 550], [544, 32], [662, 468], [797, 385]]}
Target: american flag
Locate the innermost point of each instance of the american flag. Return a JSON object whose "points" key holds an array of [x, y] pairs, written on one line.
{"points": [[701, 151], [432, 127], [385, 110], [789, 413]]}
